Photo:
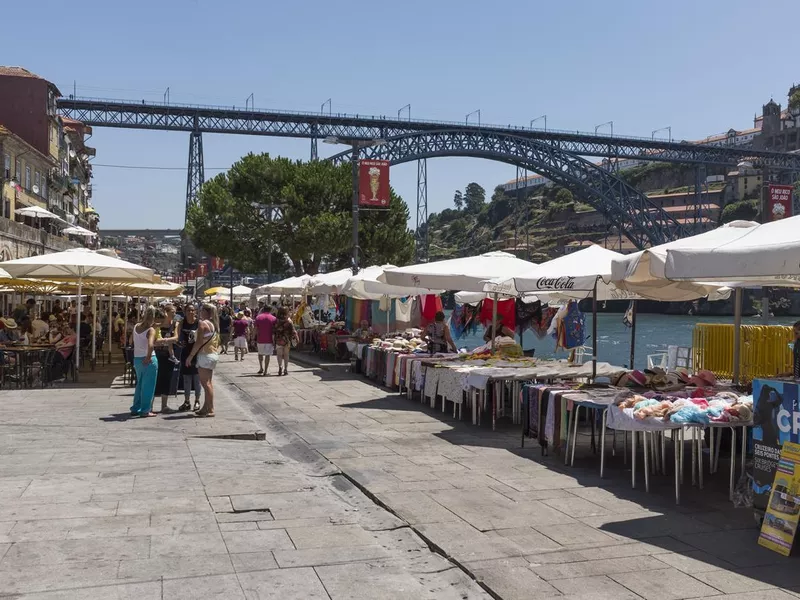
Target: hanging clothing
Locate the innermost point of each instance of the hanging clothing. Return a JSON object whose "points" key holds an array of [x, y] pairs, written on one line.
{"points": [[464, 321], [541, 327], [404, 308], [527, 314], [430, 305], [570, 327], [506, 311]]}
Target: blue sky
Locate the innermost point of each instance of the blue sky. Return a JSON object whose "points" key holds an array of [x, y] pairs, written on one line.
{"points": [[698, 66]]}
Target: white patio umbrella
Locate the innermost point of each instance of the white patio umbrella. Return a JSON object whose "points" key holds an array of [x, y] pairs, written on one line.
{"points": [[366, 285], [290, 285], [468, 274], [77, 265], [644, 273], [79, 231], [329, 283], [37, 212], [765, 255]]}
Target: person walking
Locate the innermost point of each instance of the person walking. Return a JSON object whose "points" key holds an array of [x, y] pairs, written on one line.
{"points": [[145, 364], [168, 367], [283, 336], [188, 336], [206, 350], [225, 323], [265, 323], [240, 329]]}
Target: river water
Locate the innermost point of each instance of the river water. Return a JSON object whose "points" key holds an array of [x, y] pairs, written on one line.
{"points": [[654, 333]]}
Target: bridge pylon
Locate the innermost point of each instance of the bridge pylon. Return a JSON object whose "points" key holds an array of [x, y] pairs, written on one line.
{"points": [[195, 176], [421, 237]]}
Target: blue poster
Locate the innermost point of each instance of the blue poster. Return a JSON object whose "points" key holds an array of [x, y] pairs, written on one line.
{"points": [[776, 419]]}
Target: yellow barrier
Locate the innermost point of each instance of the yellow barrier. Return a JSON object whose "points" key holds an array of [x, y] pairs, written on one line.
{"points": [[764, 350]]}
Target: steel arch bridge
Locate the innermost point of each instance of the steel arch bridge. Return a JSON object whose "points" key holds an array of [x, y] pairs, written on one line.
{"points": [[640, 220]]}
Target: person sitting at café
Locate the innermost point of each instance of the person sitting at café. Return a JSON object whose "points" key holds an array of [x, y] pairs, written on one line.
{"points": [[8, 332], [64, 350], [40, 327], [54, 335], [502, 331], [25, 332]]}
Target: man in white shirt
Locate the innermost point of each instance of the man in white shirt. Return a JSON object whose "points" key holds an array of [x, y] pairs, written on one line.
{"points": [[40, 328]]}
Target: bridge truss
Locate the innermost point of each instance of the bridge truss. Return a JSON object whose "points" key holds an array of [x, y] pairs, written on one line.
{"points": [[555, 154]]}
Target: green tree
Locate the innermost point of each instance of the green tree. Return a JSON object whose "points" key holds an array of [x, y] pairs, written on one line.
{"points": [[458, 200], [794, 100], [564, 196], [229, 221], [474, 198], [743, 210]]}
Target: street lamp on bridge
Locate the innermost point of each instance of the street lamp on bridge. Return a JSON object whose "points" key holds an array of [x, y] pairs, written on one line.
{"points": [[356, 145], [668, 128], [474, 112], [607, 123], [537, 119]]}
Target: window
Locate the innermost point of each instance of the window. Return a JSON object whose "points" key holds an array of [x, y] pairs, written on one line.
{"points": [[18, 170], [43, 191], [7, 167], [27, 177], [37, 181]]}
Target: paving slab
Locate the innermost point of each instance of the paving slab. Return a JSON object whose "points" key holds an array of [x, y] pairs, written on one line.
{"points": [[282, 584], [666, 584]]}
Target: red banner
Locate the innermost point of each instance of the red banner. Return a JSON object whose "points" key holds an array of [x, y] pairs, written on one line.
{"points": [[373, 183], [201, 269], [780, 202], [191, 273], [217, 263]]}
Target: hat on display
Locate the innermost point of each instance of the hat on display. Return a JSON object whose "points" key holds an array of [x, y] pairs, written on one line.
{"points": [[703, 378], [637, 377]]}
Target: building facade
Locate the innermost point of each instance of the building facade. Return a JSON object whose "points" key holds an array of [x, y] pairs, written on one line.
{"points": [[45, 164]]}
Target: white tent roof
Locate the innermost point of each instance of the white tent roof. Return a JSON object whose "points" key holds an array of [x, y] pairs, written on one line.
{"points": [[37, 212], [569, 276], [468, 274], [77, 263], [643, 273], [767, 254], [329, 283], [365, 285], [290, 285]]}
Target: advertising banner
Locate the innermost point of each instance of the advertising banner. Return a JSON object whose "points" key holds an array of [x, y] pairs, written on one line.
{"points": [[201, 269], [780, 202], [373, 183], [783, 512], [776, 420]]}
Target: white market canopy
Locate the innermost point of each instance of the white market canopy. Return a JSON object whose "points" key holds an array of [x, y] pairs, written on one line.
{"points": [[329, 283], [291, 285], [77, 264], [572, 276], [767, 254], [467, 274], [366, 285], [644, 272]]}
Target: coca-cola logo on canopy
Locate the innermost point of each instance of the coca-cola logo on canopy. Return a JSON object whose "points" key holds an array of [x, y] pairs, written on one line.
{"points": [[555, 283]]}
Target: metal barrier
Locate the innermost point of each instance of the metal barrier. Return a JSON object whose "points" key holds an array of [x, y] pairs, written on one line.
{"points": [[764, 350]]}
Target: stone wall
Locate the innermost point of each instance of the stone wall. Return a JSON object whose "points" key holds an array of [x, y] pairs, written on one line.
{"points": [[18, 241]]}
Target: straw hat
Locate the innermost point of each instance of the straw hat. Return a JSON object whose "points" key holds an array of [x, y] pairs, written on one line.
{"points": [[9, 323]]}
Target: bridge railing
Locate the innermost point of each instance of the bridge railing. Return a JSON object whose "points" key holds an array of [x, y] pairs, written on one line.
{"points": [[377, 118]]}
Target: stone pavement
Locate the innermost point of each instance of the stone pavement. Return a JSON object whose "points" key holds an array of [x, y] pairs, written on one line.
{"points": [[95, 505], [522, 525]]}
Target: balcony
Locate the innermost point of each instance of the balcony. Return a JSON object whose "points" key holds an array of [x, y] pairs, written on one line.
{"points": [[27, 241]]}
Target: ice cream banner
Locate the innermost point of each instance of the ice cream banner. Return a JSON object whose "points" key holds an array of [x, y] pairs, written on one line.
{"points": [[373, 183], [783, 511]]}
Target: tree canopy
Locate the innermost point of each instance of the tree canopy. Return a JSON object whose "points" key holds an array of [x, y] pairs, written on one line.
{"points": [[229, 219]]}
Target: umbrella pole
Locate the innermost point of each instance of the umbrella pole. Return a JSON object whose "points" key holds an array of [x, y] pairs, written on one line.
{"points": [[594, 331], [78, 330], [92, 326], [633, 333], [494, 320], [125, 326], [737, 331], [110, 323], [388, 312]]}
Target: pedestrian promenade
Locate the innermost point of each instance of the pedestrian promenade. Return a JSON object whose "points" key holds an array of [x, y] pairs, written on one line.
{"points": [[523, 525], [96, 505]]}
